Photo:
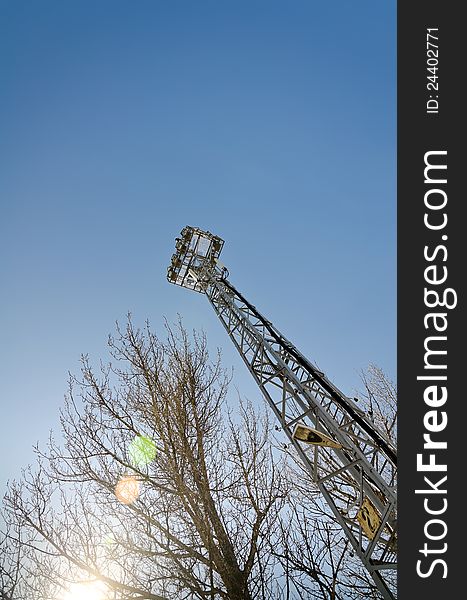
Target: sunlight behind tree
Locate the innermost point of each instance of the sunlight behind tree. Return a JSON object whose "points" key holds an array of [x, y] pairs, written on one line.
{"points": [[206, 503], [87, 590]]}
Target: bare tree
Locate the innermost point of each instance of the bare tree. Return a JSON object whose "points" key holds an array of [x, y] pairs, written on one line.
{"points": [[379, 399], [10, 563], [156, 491]]}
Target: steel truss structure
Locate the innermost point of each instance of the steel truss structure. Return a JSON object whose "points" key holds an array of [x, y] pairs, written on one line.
{"points": [[353, 464]]}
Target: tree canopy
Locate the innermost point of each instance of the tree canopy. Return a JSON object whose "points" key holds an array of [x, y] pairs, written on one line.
{"points": [[158, 489]]}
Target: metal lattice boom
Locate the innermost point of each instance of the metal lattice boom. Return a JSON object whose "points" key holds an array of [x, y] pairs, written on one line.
{"points": [[353, 464]]}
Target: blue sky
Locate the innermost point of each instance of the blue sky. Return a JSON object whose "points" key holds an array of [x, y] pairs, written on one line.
{"points": [[272, 124]]}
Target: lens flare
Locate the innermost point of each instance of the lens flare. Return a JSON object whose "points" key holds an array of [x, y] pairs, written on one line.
{"points": [[109, 541], [127, 489], [142, 451]]}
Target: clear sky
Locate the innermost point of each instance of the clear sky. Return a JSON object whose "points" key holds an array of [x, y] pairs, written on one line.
{"points": [[272, 124]]}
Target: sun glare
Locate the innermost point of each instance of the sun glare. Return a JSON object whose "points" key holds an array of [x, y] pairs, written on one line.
{"points": [[87, 590]]}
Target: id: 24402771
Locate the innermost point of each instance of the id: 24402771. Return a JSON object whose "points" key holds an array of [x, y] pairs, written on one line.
{"points": [[432, 105]]}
